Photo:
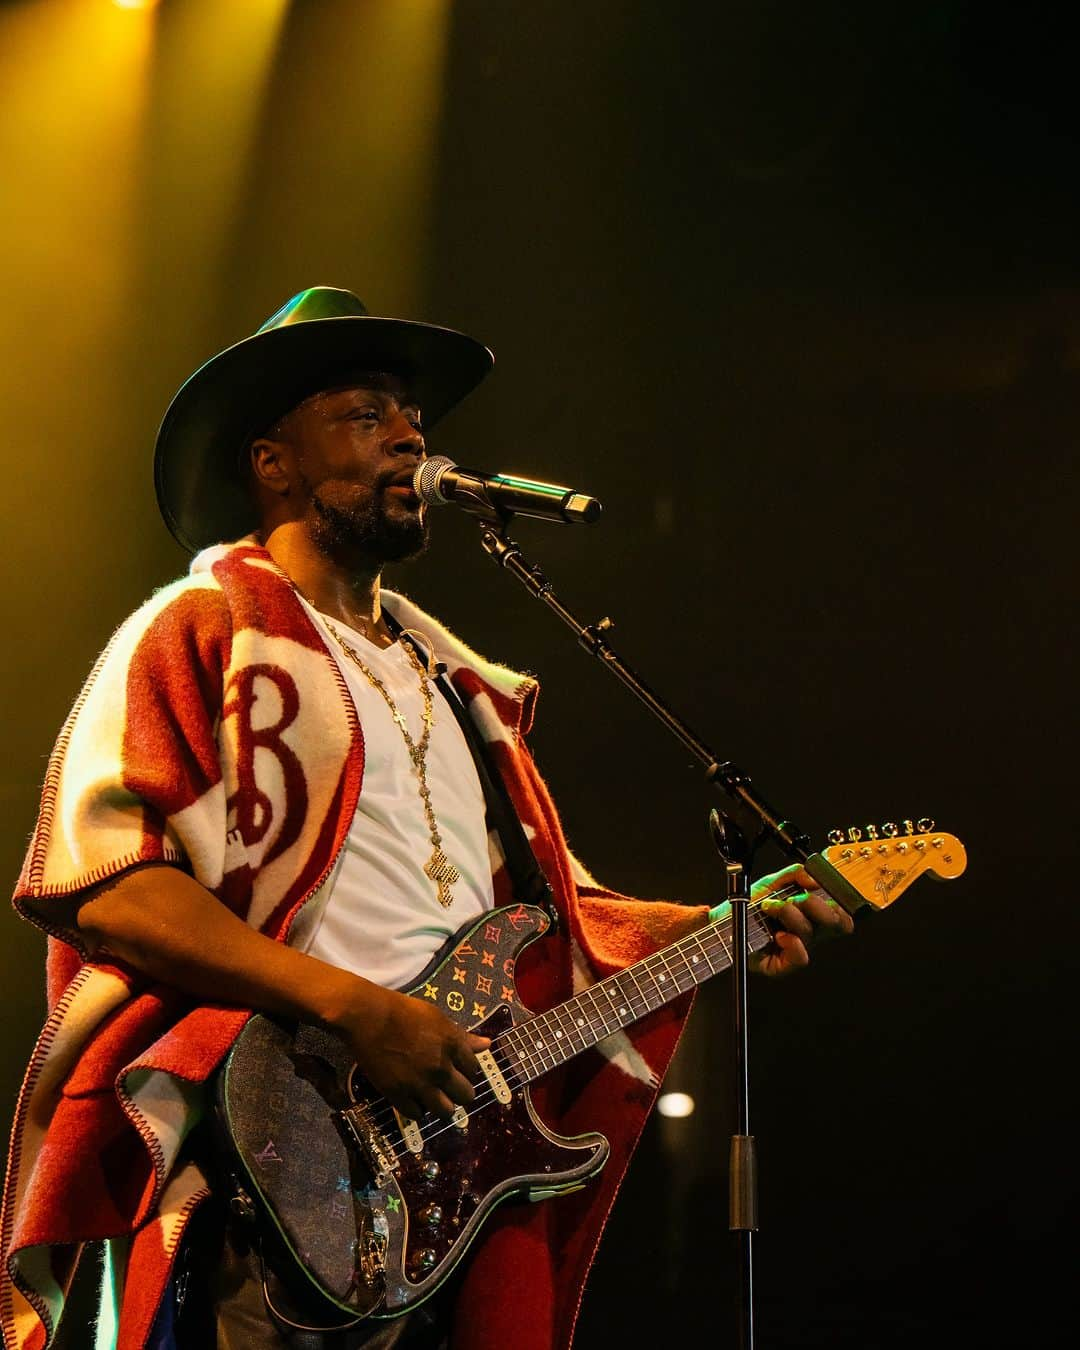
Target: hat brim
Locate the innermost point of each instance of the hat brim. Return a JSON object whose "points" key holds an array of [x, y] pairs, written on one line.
{"points": [[240, 393]]}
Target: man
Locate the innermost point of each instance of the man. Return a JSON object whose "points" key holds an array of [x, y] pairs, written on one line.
{"points": [[261, 801]]}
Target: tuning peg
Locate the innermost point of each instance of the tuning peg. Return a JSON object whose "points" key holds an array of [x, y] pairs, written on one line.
{"points": [[835, 836], [925, 825], [909, 827], [871, 831], [890, 830], [854, 834]]}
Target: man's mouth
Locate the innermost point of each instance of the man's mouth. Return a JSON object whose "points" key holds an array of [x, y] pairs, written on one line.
{"points": [[402, 492], [401, 487]]}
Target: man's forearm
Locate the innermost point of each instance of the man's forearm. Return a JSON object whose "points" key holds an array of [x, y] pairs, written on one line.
{"points": [[162, 922], [165, 924]]}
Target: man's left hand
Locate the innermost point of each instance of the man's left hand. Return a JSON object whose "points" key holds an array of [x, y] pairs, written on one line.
{"points": [[796, 919]]}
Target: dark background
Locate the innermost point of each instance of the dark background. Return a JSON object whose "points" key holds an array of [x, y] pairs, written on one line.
{"points": [[794, 289]]}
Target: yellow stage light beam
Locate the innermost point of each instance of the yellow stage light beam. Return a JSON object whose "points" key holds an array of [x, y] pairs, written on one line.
{"points": [[346, 161], [72, 90], [71, 96], [212, 63]]}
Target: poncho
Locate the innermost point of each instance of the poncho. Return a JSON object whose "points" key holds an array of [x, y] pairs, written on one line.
{"points": [[216, 733]]}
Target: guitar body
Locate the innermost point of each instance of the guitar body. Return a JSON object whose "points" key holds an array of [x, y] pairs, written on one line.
{"points": [[371, 1215]]}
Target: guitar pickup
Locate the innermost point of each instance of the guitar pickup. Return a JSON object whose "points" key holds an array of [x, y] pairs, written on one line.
{"points": [[410, 1132], [494, 1075]]}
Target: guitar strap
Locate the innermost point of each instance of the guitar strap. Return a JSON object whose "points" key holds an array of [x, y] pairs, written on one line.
{"points": [[527, 878]]}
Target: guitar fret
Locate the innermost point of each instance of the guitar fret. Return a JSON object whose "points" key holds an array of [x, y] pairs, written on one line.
{"points": [[566, 1035], [583, 1022], [599, 1009], [556, 1042], [677, 976], [637, 983], [537, 1031], [525, 1059], [691, 960], [618, 1005], [667, 973], [704, 951]]}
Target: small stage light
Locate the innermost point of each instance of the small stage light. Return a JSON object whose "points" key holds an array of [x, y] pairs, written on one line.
{"points": [[136, 4], [675, 1104]]}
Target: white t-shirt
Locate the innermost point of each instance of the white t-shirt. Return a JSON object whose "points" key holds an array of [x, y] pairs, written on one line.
{"points": [[378, 914]]}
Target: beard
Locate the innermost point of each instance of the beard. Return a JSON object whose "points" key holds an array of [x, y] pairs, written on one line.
{"points": [[368, 532]]}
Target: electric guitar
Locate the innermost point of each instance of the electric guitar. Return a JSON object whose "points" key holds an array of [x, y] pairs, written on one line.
{"points": [[371, 1211]]}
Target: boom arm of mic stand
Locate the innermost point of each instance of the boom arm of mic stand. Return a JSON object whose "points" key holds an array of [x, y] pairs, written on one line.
{"points": [[754, 815]]}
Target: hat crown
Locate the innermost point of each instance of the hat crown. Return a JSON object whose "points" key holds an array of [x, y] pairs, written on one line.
{"points": [[317, 302]]}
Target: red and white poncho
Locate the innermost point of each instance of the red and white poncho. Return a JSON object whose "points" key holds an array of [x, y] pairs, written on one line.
{"points": [[216, 733]]}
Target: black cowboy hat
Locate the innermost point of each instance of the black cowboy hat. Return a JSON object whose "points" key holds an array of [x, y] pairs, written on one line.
{"points": [[318, 336]]}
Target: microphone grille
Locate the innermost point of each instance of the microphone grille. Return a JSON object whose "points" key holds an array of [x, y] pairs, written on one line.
{"points": [[427, 478]]}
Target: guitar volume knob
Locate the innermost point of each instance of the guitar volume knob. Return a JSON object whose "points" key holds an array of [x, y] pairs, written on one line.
{"points": [[423, 1260], [431, 1216]]}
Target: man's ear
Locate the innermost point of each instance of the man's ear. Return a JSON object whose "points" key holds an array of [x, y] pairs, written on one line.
{"points": [[270, 465]]}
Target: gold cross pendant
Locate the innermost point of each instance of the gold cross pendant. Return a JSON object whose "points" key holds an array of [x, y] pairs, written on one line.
{"points": [[443, 873]]}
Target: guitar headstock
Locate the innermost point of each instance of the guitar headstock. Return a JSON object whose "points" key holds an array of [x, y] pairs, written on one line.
{"points": [[881, 861]]}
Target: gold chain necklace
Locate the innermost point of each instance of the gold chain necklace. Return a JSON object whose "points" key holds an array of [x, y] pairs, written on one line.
{"points": [[438, 867]]}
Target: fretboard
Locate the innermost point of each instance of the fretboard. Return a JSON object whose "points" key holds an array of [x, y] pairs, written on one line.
{"points": [[533, 1048]]}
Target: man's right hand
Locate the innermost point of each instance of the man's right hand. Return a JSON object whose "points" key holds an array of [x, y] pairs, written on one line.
{"points": [[411, 1052]]}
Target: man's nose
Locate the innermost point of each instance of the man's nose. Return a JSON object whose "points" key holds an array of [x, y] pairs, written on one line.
{"points": [[404, 438]]}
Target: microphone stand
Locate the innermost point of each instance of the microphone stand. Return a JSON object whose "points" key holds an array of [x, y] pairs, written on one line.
{"points": [[745, 821]]}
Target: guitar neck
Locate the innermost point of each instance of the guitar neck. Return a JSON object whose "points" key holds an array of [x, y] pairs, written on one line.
{"points": [[879, 869], [541, 1044]]}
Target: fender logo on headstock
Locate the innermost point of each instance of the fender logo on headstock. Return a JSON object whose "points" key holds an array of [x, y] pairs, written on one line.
{"points": [[887, 882]]}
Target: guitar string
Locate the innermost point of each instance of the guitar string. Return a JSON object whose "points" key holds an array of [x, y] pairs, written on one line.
{"points": [[514, 1037]]}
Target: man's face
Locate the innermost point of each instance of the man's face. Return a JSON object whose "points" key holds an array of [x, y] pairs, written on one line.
{"points": [[356, 448]]}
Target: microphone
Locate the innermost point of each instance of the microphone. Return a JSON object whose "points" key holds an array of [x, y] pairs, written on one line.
{"points": [[494, 496]]}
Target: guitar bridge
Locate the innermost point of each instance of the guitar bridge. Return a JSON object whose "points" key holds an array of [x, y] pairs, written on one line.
{"points": [[376, 1149]]}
